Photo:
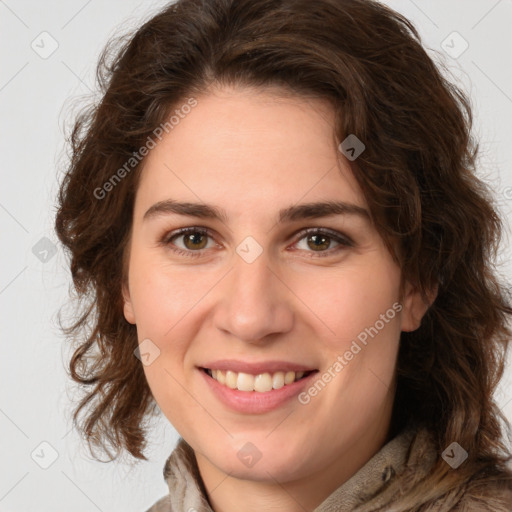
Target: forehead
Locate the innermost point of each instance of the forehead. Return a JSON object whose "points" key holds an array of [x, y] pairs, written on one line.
{"points": [[249, 150]]}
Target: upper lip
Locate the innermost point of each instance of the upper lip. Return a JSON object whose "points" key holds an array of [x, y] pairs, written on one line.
{"points": [[255, 368]]}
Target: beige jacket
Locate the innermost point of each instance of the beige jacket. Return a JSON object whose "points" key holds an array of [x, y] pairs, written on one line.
{"points": [[406, 457]]}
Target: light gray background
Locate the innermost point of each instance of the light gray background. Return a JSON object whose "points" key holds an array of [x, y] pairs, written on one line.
{"points": [[35, 98]]}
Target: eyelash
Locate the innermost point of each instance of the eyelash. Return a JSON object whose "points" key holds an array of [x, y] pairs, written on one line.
{"points": [[342, 240]]}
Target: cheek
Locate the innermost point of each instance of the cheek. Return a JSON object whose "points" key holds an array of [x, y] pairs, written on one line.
{"points": [[350, 301], [162, 297]]}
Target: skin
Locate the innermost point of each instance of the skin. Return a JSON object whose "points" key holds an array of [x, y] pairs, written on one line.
{"points": [[252, 153]]}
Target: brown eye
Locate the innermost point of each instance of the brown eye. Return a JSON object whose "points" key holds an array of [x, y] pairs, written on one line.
{"points": [[188, 241], [318, 242], [195, 240], [322, 241]]}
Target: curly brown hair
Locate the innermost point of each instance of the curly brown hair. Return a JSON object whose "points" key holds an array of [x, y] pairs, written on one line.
{"points": [[417, 174]]}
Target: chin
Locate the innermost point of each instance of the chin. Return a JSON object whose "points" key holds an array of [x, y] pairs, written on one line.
{"points": [[262, 461]]}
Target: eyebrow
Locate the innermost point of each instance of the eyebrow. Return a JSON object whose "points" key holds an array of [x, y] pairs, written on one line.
{"points": [[292, 213]]}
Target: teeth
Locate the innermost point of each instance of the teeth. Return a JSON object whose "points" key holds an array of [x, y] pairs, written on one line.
{"points": [[245, 382], [221, 377], [289, 377], [278, 380], [231, 379], [260, 383]]}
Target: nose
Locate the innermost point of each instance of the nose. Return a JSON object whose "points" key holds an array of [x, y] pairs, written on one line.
{"points": [[254, 302]]}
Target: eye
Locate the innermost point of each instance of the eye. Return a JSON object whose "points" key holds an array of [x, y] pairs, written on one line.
{"points": [[188, 241], [192, 241], [321, 241]]}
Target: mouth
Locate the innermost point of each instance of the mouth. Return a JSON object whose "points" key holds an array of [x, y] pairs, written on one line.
{"points": [[260, 383]]}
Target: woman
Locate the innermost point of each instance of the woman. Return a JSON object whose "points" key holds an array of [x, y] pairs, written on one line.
{"points": [[274, 216]]}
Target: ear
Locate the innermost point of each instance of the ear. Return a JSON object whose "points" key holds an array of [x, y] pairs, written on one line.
{"points": [[128, 307], [415, 307]]}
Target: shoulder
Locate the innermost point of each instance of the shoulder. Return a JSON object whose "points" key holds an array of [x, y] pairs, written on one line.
{"points": [[486, 495], [486, 490]]}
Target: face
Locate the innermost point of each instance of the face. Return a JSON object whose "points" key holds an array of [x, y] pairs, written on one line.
{"points": [[262, 285]]}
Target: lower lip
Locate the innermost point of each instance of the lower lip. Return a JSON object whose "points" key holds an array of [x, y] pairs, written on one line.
{"points": [[254, 402]]}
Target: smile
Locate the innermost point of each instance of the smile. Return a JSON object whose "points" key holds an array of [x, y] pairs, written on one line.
{"points": [[260, 383]]}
